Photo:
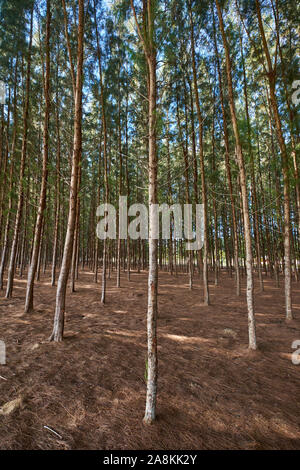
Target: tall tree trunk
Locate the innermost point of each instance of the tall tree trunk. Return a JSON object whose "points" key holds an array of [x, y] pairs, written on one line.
{"points": [[58, 327], [57, 188], [253, 183], [184, 146], [202, 170], [271, 74], [153, 274], [42, 201], [120, 181], [11, 174], [228, 170], [150, 55], [293, 121], [103, 109], [244, 193], [11, 268]]}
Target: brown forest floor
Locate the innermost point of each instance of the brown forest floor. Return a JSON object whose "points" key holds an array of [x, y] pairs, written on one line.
{"points": [[213, 393]]}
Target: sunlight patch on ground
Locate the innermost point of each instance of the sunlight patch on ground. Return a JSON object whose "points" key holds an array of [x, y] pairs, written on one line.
{"points": [[271, 315], [286, 356], [172, 285], [123, 333], [186, 339]]}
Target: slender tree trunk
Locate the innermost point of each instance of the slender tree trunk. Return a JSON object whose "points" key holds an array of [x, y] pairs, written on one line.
{"points": [[42, 201], [153, 274], [216, 251], [184, 146], [76, 238], [98, 202], [11, 268], [150, 55], [11, 173], [285, 169], [58, 328], [57, 191], [293, 121], [242, 175], [228, 170], [202, 170], [253, 184], [120, 182], [104, 256]]}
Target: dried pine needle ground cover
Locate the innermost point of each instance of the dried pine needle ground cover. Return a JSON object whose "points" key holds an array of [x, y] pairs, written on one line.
{"points": [[90, 389]]}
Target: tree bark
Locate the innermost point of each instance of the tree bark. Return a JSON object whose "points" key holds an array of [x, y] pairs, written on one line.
{"points": [[42, 201], [202, 170], [150, 55], [228, 170], [58, 327], [271, 74], [244, 193], [11, 268]]}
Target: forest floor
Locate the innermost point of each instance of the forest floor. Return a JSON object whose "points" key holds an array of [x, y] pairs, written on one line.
{"points": [[90, 389]]}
